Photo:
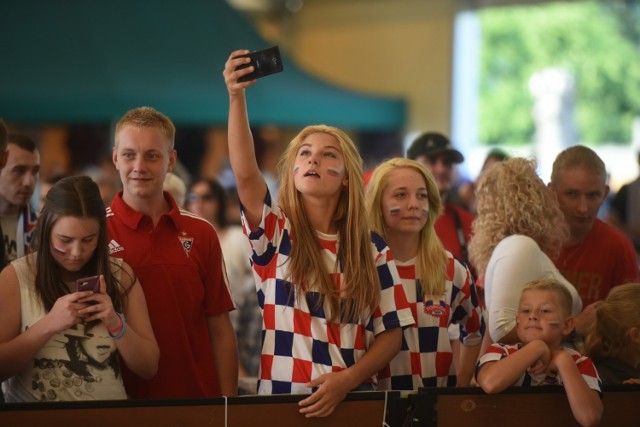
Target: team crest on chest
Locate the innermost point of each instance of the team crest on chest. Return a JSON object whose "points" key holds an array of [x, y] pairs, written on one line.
{"points": [[186, 242], [441, 309]]}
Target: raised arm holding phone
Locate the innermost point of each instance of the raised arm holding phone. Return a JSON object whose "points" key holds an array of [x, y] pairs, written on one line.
{"points": [[343, 306]]}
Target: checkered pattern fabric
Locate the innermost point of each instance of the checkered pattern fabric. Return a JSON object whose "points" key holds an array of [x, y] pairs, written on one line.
{"points": [[298, 344], [585, 366], [426, 358]]}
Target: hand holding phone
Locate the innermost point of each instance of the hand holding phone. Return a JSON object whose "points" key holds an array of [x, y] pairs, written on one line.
{"points": [[91, 283], [265, 62]]}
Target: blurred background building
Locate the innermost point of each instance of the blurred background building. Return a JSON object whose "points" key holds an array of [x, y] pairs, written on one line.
{"points": [[383, 70]]}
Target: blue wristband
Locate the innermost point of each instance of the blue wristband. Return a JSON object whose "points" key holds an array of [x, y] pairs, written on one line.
{"points": [[122, 330]]}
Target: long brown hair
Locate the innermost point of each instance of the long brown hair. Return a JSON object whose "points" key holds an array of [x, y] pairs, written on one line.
{"points": [[360, 289], [75, 196]]}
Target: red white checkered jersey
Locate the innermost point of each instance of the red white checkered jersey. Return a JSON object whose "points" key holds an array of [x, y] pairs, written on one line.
{"points": [[585, 365], [426, 358], [298, 344]]}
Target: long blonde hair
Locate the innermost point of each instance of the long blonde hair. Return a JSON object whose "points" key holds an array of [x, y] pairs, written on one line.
{"points": [[359, 292], [609, 335], [512, 199], [431, 259]]}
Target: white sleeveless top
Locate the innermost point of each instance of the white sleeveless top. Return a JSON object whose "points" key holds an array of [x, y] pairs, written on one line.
{"points": [[81, 363]]}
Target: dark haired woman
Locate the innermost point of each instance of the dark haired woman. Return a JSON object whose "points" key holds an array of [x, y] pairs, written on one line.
{"points": [[41, 312]]}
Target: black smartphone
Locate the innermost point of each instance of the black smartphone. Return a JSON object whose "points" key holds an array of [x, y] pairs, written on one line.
{"points": [[265, 63], [91, 283]]}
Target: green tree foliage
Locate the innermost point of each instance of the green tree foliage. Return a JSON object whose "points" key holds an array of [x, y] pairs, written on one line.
{"points": [[584, 38]]}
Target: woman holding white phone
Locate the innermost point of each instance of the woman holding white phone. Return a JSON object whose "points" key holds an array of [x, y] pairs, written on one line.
{"points": [[47, 325]]}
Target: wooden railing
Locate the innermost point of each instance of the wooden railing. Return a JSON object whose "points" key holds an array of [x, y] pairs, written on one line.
{"points": [[441, 407], [538, 406]]}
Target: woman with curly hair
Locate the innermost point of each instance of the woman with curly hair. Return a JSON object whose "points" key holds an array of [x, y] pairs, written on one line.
{"points": [[518, 228]]}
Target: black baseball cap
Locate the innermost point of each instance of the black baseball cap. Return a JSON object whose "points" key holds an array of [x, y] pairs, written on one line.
{"points": [[431, 144]]}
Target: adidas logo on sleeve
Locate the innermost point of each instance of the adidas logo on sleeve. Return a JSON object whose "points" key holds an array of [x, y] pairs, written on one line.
{"points": [[114, 247]]}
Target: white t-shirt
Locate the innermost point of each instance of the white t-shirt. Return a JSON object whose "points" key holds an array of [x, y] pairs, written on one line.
{"points": [[516, 261], [80, 363], [237, 254]]}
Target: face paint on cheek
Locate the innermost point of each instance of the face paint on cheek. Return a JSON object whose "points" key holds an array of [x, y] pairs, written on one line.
{"points": [[394, 211], [59, 250], [296, 169], [334, 171], [425, 211], [554, 324]]}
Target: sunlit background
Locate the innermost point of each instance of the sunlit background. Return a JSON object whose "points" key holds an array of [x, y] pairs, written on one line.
{"points": [[531, 77]]}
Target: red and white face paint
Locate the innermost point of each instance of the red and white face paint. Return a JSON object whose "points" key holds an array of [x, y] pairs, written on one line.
{"points": [[59, 250], [394, 211], [405, 203], [540, 317], [334, 171], [319, 168], [73, 241]]}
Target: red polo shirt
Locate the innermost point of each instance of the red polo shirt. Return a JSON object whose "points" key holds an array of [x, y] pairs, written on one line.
{"points": [[606, 258], [179, 264]]}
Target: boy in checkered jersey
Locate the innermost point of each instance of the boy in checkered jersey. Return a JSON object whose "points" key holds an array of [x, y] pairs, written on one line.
{"points": [[326, 285], [543, 320]]}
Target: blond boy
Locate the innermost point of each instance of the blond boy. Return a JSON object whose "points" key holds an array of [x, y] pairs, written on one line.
{"points": [[542, 322]]}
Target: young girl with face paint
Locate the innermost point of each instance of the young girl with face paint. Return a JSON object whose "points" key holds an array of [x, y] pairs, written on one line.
{"points": [[402, 203], [326, 284], [543, 321], [41, 313]]}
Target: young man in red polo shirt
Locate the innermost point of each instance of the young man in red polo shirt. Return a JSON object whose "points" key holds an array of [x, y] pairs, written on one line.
{"points": [[597, 256], [178, 260]]}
